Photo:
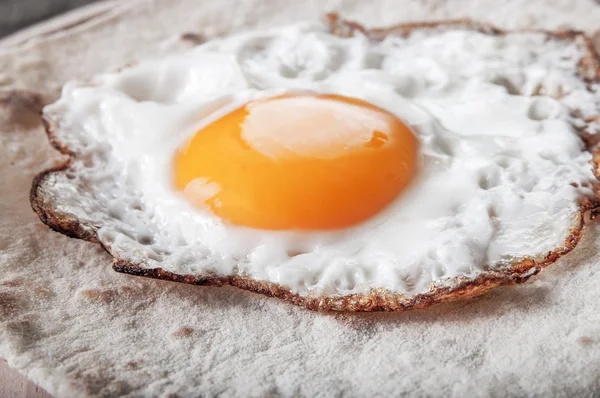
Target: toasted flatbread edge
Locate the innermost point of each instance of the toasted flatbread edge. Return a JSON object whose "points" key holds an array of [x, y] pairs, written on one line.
{"points": [[448, 290]]}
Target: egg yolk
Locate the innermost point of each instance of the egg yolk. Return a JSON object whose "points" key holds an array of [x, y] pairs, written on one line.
{"points": [[301, 161]]}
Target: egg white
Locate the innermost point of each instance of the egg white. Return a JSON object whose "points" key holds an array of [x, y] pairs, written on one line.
{"points": [[502, 170]]}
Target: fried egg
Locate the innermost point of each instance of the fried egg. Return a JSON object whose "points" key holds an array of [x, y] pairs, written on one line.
{"points": [[333, 165]]}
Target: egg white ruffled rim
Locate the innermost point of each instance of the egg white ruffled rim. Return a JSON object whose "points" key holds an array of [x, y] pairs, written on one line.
{"points": [[448, 289]]}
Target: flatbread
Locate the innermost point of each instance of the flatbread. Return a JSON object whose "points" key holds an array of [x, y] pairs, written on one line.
{"points": [[78, 329]]}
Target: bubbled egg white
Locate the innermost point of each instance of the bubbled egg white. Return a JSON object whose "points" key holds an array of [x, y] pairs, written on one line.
{"points": [[502, 171]]}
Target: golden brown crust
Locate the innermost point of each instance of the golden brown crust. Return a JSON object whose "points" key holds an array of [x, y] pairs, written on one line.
{"points": [[378, 299], [43, 206], [344, 28]]}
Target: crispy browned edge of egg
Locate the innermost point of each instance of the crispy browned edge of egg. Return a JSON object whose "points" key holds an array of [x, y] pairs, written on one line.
{"points": [[378, 299]]}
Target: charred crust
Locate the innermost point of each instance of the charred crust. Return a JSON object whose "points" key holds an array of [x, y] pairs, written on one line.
{"points": [[341, 27], [50, 127], [65, 224], [377, 299]]}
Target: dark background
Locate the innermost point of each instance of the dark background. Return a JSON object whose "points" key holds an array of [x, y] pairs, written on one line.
{"points": [[17, 14]]}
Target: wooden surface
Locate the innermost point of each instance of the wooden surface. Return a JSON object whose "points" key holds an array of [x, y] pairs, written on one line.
{"points": [[14, 385]]}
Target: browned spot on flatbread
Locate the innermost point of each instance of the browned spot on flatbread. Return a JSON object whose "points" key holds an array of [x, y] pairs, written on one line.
{"points": [[42, 291], [25, 329], [19, 326], [183, 332], [98, 295], [99, 382], [13, 282], [23, 108], [585, 341], [25, 333], [108, 295], [133, 365], [194, 38], [9, 304]]}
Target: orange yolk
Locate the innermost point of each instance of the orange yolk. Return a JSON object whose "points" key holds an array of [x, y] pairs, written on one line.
{"points": [[302, 161]]}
